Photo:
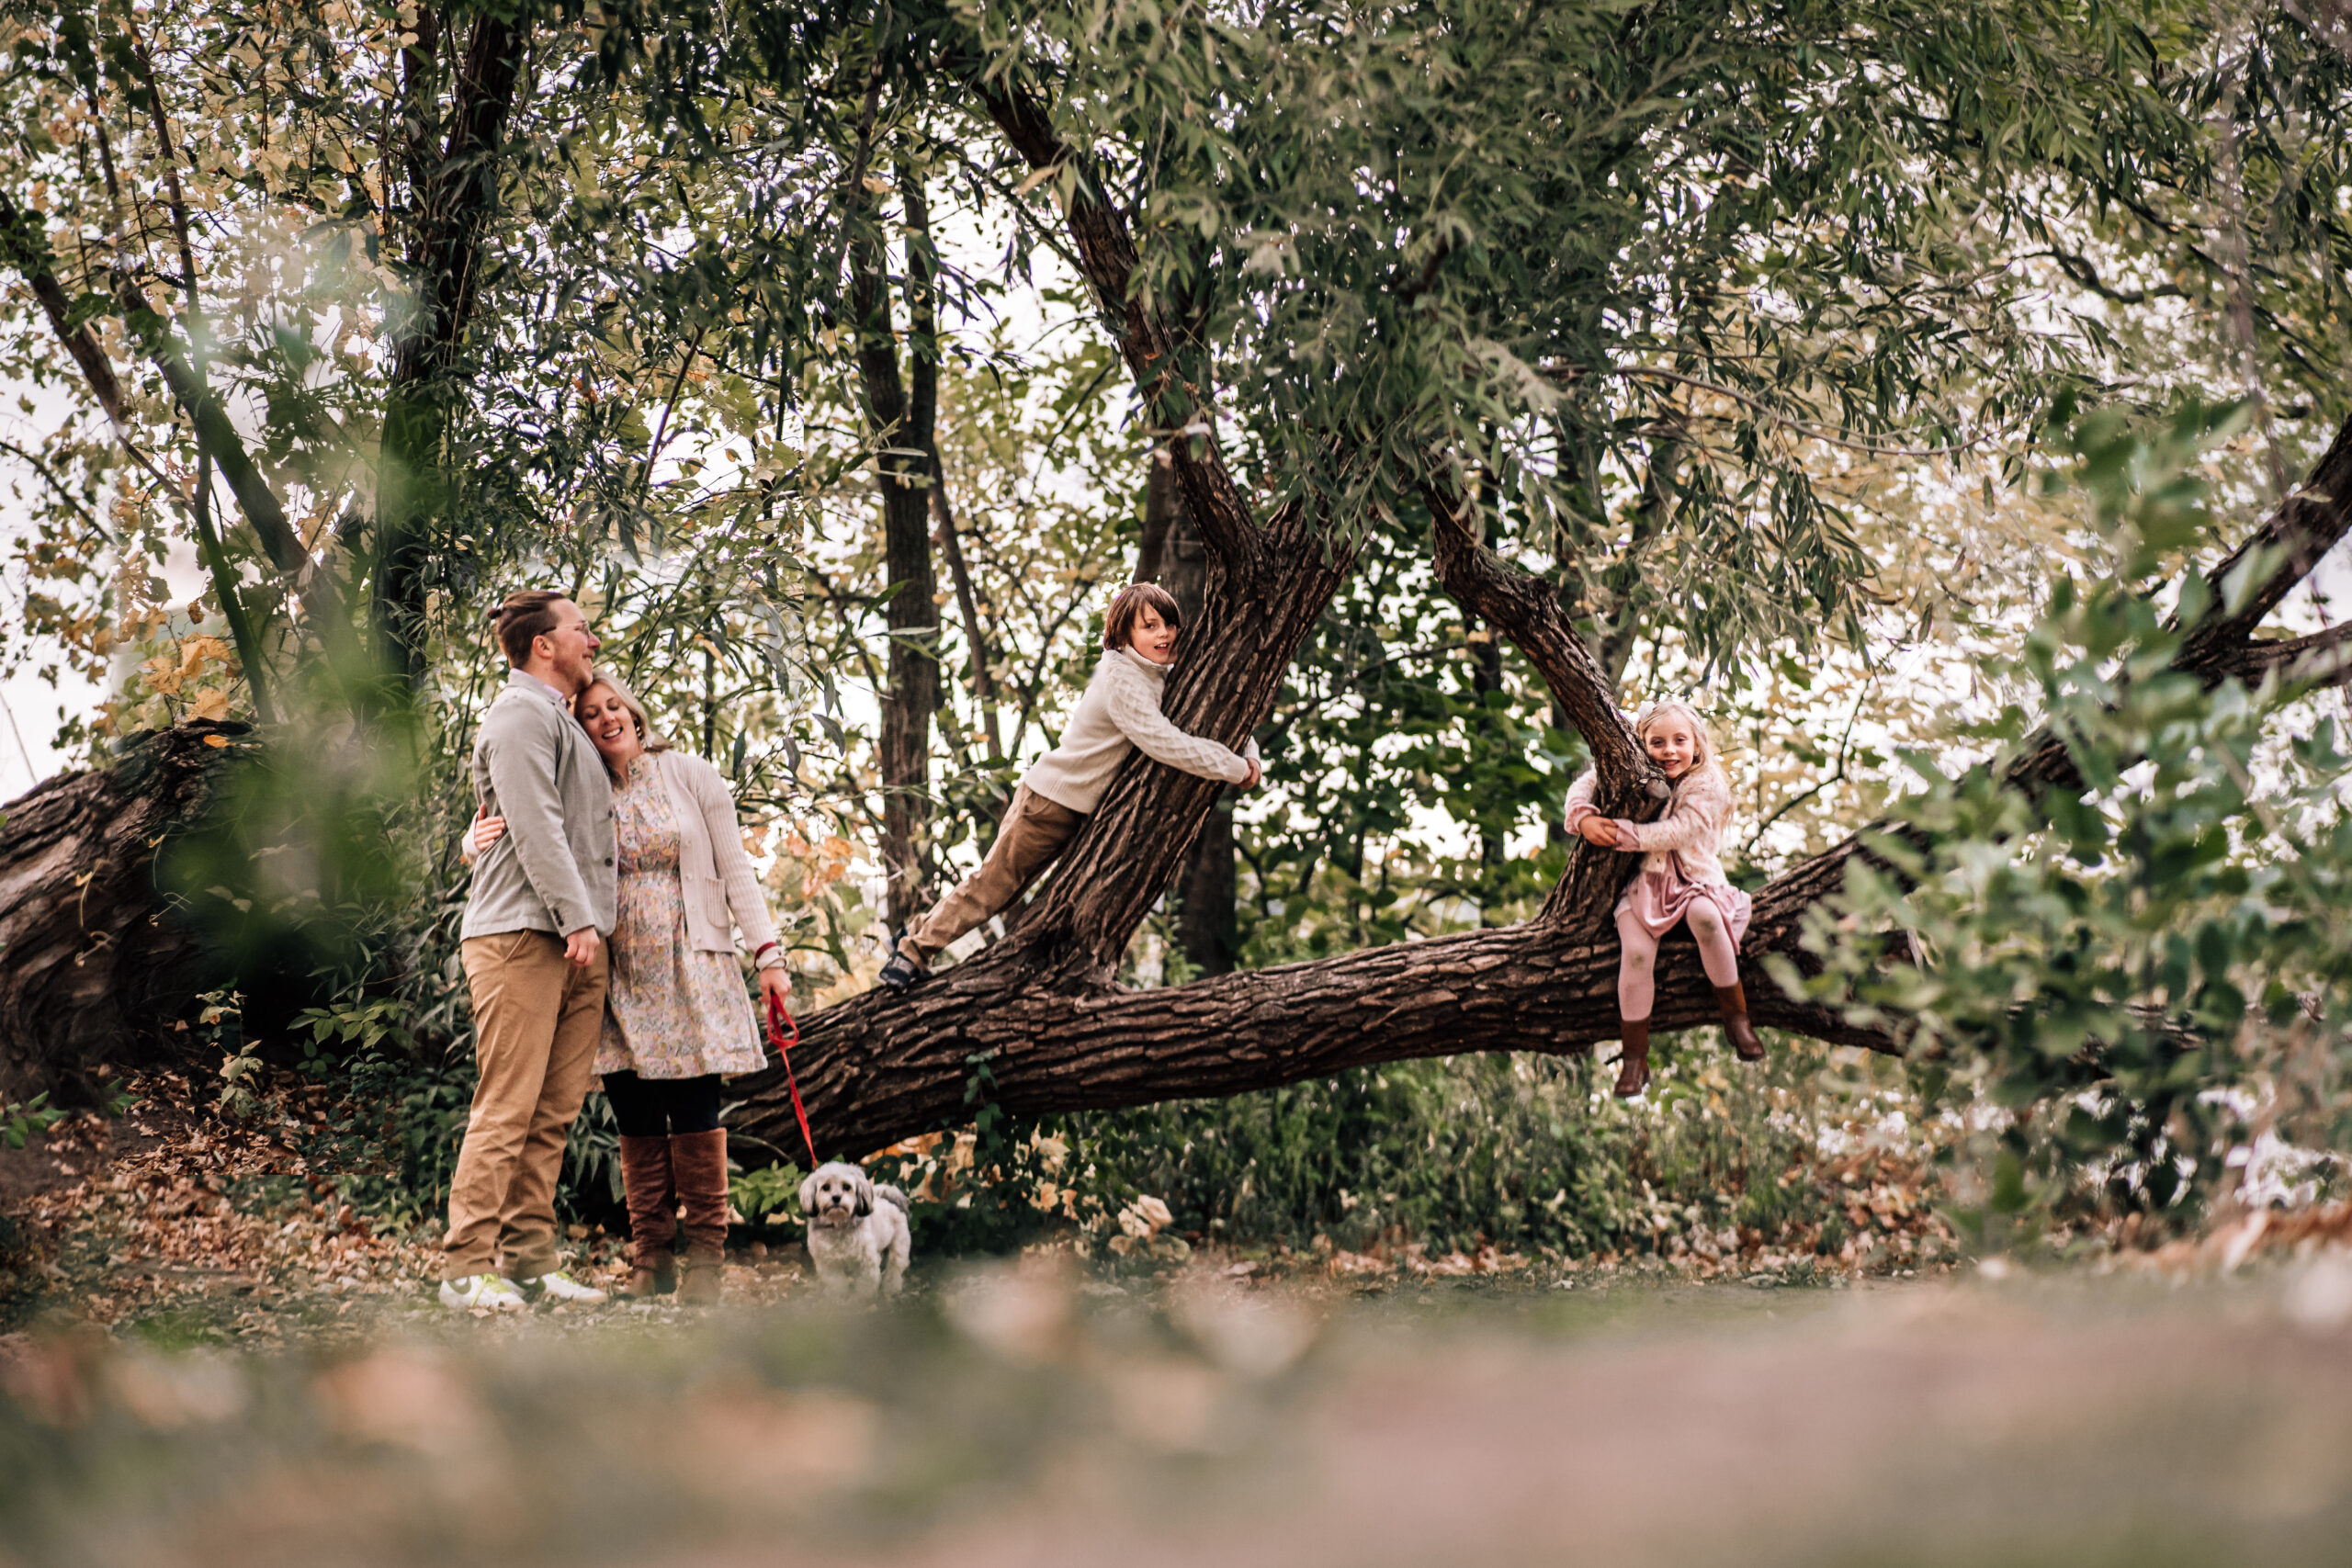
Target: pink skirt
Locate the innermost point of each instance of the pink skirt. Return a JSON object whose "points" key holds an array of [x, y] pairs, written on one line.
{"points": [[1658, 900]]}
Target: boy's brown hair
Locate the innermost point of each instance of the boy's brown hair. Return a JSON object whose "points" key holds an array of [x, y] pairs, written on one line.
{"points": [[528, 612], [1119, 624]]}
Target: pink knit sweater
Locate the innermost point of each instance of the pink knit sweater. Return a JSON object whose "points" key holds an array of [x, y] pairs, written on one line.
{"points": [[1693, 826]]}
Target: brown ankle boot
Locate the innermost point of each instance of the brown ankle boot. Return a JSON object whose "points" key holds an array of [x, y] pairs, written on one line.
{"points": [[1734, 1003], [1634, 1062], [653, 1198], [698, 1161]]}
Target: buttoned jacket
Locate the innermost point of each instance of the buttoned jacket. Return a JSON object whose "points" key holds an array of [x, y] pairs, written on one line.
{"points": [[553, 869]]}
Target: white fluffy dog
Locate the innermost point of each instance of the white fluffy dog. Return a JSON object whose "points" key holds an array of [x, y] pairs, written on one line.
{"points": [[860, 1246]]}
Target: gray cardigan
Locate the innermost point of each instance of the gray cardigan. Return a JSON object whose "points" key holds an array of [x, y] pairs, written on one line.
{"points": [[553, 870]]}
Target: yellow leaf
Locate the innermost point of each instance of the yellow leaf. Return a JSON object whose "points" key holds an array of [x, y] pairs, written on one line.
{"points": [[216, 741], [211, 702], [1037, 177]]}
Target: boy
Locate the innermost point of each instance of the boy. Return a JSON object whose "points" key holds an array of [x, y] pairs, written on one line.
{"points": [[1119, 713]]}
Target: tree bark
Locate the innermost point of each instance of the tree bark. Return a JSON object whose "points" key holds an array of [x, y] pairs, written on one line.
{"points": [[92, 970], [1527, 609], [967, 602], [901, 422], [1173, 554]]}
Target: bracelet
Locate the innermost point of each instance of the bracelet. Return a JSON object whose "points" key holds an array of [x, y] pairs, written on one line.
{"points": [[763, 951]]}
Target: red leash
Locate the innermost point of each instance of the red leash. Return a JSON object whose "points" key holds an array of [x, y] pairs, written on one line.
{"points": [[779, 1020]]}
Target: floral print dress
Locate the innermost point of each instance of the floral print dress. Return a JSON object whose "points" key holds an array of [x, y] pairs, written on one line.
{"points": [[672, 1012]]}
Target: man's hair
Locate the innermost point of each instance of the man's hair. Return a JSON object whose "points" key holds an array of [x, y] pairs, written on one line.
{"points": [[525, 615], [1119, 624]]}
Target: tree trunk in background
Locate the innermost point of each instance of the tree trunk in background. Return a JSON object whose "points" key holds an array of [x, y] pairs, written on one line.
{"points": [[1487, 676], [1174, 555], [95, 970], [983, 680], [453, 196], [901, 422]]}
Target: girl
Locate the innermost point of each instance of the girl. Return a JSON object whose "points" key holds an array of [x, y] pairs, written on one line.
{"points": [[1119, 713], [676, 1016], [1681, 880]]}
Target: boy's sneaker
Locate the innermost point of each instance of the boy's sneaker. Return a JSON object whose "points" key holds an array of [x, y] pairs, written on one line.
{"points": [[901, 972], [480, 1291], [558, 1286]]}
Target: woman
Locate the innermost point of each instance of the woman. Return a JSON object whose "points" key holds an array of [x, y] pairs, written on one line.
{"points": [[676, 1016]]}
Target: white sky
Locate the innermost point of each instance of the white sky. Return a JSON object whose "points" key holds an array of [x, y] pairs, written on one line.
{"points": [[31, 708]]}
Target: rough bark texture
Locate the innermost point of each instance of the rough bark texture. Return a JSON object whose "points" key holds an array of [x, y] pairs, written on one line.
{"points": [[1173, 555], [900, 421], [91, 971], [1527, 610]]}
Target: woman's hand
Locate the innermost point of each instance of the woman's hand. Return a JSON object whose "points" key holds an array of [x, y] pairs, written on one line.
{"points": [[775, 985], [1599, 831], [488, 830]]}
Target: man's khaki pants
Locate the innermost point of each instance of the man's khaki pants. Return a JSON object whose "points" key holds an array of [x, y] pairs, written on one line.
{"points": [[537, 1018], [1033, 831]]}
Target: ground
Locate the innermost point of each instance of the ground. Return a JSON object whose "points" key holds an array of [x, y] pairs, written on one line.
{"points": [[215, 1361]]}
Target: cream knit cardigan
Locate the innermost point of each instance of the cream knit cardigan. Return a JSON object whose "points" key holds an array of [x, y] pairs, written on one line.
{"points": [[1119, 713]]}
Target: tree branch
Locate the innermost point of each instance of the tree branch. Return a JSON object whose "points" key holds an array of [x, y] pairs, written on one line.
{"points": [[2321, 660], [215, 432], [1526, 609], [1107, 259]]}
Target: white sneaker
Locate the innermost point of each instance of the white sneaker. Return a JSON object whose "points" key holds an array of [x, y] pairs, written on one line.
{"points": [[558, 1286], [480, 1291]]}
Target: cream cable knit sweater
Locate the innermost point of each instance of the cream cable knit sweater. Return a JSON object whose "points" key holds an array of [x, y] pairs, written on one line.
{"points": [[1120, 713]]}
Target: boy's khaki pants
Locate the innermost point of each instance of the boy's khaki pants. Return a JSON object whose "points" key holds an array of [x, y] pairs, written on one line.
{"points": [[1033, 831], [536, 1019]]}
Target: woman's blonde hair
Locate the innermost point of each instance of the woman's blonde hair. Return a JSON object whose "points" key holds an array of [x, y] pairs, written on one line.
{"points": [[628, 700], [1702, 740]]}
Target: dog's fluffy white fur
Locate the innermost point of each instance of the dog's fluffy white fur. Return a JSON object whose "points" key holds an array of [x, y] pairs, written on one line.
{"points": [[858, 1234]]}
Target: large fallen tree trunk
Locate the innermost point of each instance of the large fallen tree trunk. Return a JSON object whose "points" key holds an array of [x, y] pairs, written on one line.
{"points": [[92, 971]]}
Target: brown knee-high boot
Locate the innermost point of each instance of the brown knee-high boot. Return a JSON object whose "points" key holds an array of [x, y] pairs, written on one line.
{"points": [[653, 1198], [1634, 1062], [699, 1160], [1733, 1002]]}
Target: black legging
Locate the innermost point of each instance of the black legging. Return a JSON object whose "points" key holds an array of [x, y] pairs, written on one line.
{"points": [[655, 1107]]}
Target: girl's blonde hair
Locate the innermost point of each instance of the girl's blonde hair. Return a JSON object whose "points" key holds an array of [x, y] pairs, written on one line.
{"points": [[628, 700], [1702, 740]]}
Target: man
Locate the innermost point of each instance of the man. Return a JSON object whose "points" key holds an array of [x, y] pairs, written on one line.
{"points": [[542, 902]]}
